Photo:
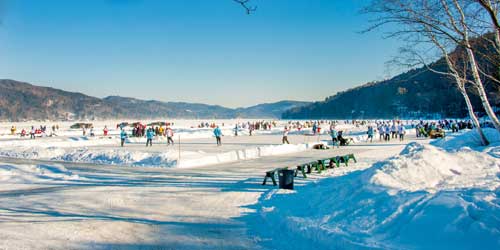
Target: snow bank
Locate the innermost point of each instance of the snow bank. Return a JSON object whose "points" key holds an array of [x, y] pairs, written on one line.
{"points": [[26, 174], [425, 167], [246, 154], [424, 198], [152, 159], [468, 138]]}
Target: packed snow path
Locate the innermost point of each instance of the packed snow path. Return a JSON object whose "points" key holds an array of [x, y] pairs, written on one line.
{"points": [[109, 207]]}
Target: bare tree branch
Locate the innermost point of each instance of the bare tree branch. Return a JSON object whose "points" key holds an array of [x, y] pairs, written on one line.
{"points": [[246, 5]]}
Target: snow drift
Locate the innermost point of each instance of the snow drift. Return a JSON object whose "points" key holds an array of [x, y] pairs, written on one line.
{"points": [[26, 174], [170, 158], [424, 198]]}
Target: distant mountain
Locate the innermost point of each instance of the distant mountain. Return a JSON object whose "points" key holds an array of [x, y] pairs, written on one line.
{"points": [[269, 110], [135, 108], [418, 93], [22, 101]]}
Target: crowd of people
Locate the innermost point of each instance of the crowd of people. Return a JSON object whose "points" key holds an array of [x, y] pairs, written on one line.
{"points": [[390, 130], [386, 129], [34, 132], [140, 130]]}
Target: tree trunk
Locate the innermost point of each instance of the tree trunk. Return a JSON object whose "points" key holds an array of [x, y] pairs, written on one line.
{"points": [[473, 117], [480, 88]]}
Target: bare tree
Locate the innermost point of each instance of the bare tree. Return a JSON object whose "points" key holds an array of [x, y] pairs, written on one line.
{"points": [[457, 19], [246, 5], [458, 71], [445, 20], [457, 68], [492, 8]]}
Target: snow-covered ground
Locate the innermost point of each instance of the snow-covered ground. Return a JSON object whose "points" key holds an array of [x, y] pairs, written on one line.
{"points": [[443, 195], [71, 146], [415, 194]]}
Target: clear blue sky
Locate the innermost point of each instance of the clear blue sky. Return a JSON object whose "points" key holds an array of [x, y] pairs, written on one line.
{"points": [[206, 51]]}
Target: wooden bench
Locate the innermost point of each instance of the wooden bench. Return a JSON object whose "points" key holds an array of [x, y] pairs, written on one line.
{"points": [[342, 159], [307, 168], [316, 165], [303, 169], [349, 157], [272, 174]]}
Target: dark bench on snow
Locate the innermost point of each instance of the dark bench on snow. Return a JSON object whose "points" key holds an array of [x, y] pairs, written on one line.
{"points": [[308, 167], [342, 159], [324, 164], [318, 165], [272, 174]]}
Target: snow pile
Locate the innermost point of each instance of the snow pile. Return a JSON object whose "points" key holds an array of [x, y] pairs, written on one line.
{"points": [[425, 167], [25, 174], [424, 198], [168, 158], [468, 138], [118, 157], [245, 154], [61, 142]]}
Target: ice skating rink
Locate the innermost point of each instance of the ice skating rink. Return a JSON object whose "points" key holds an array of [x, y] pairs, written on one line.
{"points": [[75, 192]]}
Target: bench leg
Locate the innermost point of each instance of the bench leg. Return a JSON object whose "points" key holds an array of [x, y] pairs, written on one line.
{"points": [[318, 168], [274, 180], [354, 158]]}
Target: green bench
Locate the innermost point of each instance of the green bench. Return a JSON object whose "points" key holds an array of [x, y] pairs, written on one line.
{"points": [[303, 169], [272, 174], [343, 159], [308, 167], [318, 165]]}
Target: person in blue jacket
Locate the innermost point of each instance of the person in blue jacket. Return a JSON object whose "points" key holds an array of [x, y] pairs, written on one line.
{"points": [[334, 135], [218, 134], [370, 133], [123, 136], [149, 137]]}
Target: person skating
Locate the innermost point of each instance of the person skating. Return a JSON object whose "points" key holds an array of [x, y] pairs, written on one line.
{"points": [[454, 127], [150, 134], [123, 137], [387, 132], [285, 136], [105, 131], [13, 130], [394, 131], [32, 132], [401, 132], [370, 134], [170, 134], [236, 129], [218, 134], [381, 132], [334, 134], [161, 131]]}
